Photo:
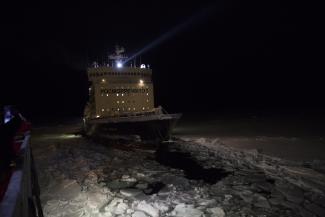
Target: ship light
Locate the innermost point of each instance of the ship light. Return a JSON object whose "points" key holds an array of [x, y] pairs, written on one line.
{"points": [[119, 64]]}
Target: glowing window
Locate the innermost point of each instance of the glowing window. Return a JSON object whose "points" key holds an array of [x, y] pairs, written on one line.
{"points": [[147, 94], [122, 101], [122, 94], [142, 108], [103, 110], [118, 101], [117, 94]]}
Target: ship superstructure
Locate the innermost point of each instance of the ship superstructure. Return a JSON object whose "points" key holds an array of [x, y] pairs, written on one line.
{"points": [[124, 94]]}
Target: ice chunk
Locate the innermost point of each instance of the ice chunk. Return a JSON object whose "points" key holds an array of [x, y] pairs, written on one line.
{"points": [[127, 178], [113, 205], [121, 208], [96, 200], [184, 210], [216, 212], [139, 214], [67, 189], [147, 208], [130, 192]]}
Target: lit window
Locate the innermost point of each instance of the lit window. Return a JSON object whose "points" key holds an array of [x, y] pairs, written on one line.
{"points": [[141, 82], [118, 109], [147, 100], [147, 94], [142, 108], [133, 109], [122, 94], [106, 94], [97, 116], [118, 101], [117, 94], [129, 109], [103, 80], [103, 110], [122, 101]]}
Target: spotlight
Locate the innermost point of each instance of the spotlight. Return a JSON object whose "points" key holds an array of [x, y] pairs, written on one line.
{"points": [[119, 65]]}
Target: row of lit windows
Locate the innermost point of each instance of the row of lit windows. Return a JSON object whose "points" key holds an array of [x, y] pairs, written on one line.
{"points": [[118, 73], [126, 94], [128, 101], [124, 109], [122, 94], [122, 87]]}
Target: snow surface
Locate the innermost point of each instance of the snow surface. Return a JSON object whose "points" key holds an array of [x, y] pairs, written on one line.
{"points": [[80, 177]]}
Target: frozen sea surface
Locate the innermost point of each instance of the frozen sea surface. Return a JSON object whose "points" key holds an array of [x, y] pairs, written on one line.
{"points": [[293, 137], [82, 177]]}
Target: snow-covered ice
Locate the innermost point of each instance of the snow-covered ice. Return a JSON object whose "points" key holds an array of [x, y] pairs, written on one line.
{"points": [[80, 177]]}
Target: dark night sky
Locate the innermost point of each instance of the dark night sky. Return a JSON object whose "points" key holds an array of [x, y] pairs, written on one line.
{"points": [[232, 54]]}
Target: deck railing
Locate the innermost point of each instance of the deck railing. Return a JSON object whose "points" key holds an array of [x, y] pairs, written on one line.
{"points": [[21, 197]]}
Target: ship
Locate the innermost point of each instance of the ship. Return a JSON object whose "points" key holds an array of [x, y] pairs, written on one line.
{"points": [[121, 102]]}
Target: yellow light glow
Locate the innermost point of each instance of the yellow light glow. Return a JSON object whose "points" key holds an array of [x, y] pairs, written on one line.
{"points": [[141, 82], [103, 80]]}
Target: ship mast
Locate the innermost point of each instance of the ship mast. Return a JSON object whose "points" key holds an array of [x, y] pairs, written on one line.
{"points": [[118, 57]]}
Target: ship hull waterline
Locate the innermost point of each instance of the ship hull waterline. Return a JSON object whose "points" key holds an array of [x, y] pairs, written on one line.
{"points": [[149, 129]]}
